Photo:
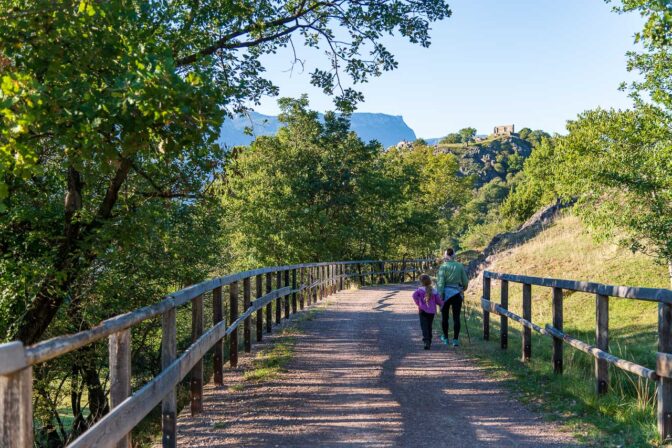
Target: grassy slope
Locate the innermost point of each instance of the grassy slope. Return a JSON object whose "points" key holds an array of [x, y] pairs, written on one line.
{"points": [[625, 417]]}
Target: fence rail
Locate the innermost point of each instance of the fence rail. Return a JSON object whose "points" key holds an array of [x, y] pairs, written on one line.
{"points": [[662, 373], [297, 286]]}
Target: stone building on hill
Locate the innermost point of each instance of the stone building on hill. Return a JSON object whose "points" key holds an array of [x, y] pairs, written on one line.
{"points": [[505, 130]]}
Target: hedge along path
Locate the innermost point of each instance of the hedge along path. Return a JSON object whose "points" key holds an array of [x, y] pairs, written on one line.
{"points": [[359, 377]]}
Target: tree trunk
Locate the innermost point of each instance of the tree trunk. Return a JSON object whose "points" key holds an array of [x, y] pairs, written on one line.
{"points": [[669, 270], [69, 262]]}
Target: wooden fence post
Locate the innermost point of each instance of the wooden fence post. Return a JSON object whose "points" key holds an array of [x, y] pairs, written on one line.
{"points": [[602, 342], [233, 315], [119, 350], [217, 317], [302, 281], [16, 398], [197, 371], [527, 315], [286, 299], [294, 288], [504, 321], [664, 411], [486, 314], [258, 292], [557, 323], [341, 278], [278, 301], [269, 307], [168, 355], [247, 324], [359, 274], [373, 274]]}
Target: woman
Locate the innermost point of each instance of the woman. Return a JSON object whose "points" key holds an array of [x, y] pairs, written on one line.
{"points": [[451, 282]]}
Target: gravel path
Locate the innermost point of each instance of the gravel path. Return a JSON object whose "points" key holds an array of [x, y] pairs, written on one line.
{"points": [[359, 377]]}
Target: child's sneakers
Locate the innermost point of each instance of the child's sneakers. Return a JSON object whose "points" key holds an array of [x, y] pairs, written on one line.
{"points": [[456, 343], [444, 339]]}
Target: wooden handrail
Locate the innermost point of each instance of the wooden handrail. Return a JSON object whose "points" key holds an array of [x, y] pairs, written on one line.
{"points": [[662, 373], [626, 292], [16, 360]]}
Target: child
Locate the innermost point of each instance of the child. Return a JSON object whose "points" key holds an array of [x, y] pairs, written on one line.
{"points": [[426, 298]]}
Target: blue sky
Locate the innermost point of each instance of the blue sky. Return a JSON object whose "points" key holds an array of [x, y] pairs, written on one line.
{"points": [[534, 63]]}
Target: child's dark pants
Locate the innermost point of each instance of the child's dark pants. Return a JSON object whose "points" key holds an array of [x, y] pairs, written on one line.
{"points": [[455, 302], [426, 320]]}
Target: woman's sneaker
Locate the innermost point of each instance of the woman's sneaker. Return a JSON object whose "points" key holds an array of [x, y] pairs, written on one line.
{"points": [[426, 346], [456, 343], [444, 339]]}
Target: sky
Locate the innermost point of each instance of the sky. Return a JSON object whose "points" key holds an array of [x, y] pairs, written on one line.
{"points": [[532, 63]]}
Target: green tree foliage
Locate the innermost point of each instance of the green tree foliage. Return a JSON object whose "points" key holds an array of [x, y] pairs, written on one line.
{"points": [[451, 139], [124, 99], [467, 135], [316, 191], [109, 113]]}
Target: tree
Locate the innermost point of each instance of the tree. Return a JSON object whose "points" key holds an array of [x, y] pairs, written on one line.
{"points": [[451, 139], [619, 166], [316, 191], [467, 135], [106, 107]]}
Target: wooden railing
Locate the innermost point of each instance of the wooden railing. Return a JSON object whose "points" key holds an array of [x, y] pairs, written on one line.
{"points": [[662, 373], [297, 286]]}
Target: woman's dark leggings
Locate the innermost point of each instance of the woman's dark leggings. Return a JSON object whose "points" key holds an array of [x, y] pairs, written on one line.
{"points": [[426, 320], [455, 303]]}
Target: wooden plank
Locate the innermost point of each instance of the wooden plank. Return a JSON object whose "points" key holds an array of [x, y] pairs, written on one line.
{"points": [[302, 296], [218, 355], [557, 323], [12, 357], [286, 301], [608, 357], [52, 348], [527, 315], [119, 350], [497, 309], [486, 314], [260, 314], [16, 399], [602, 342], [196, 383], [247, 325], [269, 307], [628, 292], [504, 320], [664, 409], [278, 304], [664, 365], [233, 315], [294, 294], [169, 402]]}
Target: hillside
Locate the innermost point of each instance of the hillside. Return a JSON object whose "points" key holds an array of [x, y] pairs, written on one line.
{"points": [[495, 157], [566, 250], [387, 129]]}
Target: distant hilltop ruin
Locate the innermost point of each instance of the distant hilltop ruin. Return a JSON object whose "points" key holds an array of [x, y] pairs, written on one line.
{"points": [[505, 130]]}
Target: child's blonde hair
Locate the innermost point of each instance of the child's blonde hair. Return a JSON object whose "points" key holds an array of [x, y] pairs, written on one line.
{"points": [[426, 281]]}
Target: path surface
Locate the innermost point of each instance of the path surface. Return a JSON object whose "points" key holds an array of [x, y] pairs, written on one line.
{"points": [[359, 377]]}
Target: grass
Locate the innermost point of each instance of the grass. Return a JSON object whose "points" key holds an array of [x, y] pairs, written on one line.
{"points": [[625, 417]]}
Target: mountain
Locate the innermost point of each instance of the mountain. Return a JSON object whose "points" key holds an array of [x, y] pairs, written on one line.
{"points": [[387, 129]]}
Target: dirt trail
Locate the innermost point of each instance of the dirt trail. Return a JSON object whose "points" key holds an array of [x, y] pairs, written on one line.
{"points": [[359, 377]]}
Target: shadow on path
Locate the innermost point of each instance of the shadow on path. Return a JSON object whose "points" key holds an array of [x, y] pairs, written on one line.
{"points": [[359, 377]]}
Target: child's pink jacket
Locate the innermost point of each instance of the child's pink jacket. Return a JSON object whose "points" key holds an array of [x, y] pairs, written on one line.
{"points": [[434, 300]]}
